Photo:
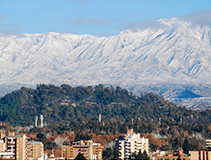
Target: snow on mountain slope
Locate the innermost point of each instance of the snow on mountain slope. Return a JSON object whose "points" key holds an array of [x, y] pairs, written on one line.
{"points": [[176, 53]]}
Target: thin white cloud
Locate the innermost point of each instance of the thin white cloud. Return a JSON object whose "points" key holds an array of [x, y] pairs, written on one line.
{"points": [[103, 34], [2, 16], [13, 31], [70, 31], [102, 21], [196, 18], [84, 20], [79, 21], [143, 25], [202, 17], [82, 2], [13, 28], [54, 9]]}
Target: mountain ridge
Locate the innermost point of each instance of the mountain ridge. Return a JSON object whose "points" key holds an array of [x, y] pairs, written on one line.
{"points": [[175, 52]]}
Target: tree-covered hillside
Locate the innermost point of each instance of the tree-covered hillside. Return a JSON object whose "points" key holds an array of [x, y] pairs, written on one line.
{"points": [[65, 103]]}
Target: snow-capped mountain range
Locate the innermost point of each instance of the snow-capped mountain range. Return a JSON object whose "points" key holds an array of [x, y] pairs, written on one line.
{"points": [[175, 52]]}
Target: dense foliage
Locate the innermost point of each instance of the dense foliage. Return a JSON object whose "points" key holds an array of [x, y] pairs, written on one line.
{"points": [[80, 156], [66, 103], [76, 109]]}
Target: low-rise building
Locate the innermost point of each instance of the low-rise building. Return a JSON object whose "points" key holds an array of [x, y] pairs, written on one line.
{"points": [[35, 150], [170, 155], [89, 149], [200, 154]]}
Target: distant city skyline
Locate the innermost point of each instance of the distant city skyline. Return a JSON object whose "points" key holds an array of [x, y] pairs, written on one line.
{"points": [[92, 17]]}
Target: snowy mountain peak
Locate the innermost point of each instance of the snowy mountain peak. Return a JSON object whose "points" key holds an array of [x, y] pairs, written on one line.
{"points": [[170, 51]]}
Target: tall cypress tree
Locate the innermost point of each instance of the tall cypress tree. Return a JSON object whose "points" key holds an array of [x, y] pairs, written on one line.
{"points": [[80, 156], [186, 146]]}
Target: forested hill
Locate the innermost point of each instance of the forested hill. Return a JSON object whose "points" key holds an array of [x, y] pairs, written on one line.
{"points": [[65, 103]]}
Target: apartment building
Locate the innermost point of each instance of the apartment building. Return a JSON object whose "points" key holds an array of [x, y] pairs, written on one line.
{"points": [[89, 149], [208, 143], [2, 146], [200, 154], [170, 155], [35, 150], [17, 145], [130, 143]]}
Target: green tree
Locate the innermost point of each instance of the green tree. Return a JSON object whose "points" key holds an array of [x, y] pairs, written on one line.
{"points": [[107, 153], [141, 156], [145, 155], [116, 153], [80, 156], [179, 158], [186, 146], [153, 147]]}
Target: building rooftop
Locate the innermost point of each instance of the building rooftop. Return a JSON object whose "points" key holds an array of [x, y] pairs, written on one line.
{"points": [[34, 142], [16, 136]]}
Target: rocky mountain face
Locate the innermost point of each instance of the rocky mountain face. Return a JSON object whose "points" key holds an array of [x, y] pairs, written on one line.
{"points": [[168, 59]]}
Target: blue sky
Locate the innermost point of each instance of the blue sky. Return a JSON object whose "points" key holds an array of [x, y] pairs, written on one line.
{"points": [[93, 17]]}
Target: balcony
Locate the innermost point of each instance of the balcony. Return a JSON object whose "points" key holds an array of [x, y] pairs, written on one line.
{"points": [[10, 143], [127, 154], [127, 147]]}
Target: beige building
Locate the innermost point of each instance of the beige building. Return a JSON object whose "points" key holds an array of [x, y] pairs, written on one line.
{"points": [[131, 143], [2, 135], [89, 149], [35, 150], [2, 145], [169, 155], [17, 145], [200, 154]]}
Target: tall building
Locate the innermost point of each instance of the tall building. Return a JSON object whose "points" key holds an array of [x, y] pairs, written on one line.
{"points": [[89, 149], [35, 150], [2, 145], [131, 143], [17, 145]]}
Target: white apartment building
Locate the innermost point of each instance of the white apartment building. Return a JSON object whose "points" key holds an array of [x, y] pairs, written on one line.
{"points": [[131, 143], [208, 143]]}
